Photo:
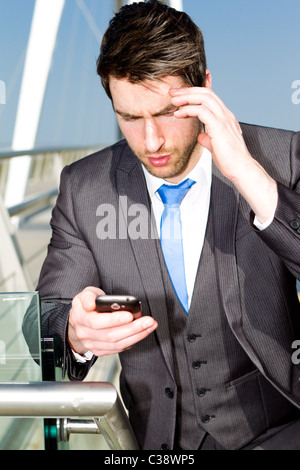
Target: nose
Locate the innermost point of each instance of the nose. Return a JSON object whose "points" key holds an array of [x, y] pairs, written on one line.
{"points": [[154, 138]]}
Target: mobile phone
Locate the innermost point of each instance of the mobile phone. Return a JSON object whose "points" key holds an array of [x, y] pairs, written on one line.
{"points": [[116, 303]]}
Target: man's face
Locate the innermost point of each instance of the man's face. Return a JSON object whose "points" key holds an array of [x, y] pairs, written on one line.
{"points": [[165, 145]]}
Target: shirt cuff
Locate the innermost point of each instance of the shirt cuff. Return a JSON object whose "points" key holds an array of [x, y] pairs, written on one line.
{"points": [[265, 225], [82, 359]]}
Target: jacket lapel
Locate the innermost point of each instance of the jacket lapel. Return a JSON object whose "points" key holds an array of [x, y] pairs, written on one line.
{"points": [[131, 187], [225, 209], [223, 213], [225, 202]]}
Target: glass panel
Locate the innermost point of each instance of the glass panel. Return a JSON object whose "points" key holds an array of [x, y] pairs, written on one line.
{"points": [[18, 364]]}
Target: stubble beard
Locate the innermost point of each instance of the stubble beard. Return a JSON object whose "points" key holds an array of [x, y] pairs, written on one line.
{"points": [[178, 165]]}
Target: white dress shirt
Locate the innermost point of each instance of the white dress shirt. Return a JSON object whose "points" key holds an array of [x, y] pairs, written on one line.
{"points": [[194, 213]]}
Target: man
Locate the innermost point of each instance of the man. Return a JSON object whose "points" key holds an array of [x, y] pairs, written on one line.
{"points": [[217, 373]]}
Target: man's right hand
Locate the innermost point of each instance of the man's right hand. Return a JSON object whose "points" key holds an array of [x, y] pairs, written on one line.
{"points": [[103, 333]]}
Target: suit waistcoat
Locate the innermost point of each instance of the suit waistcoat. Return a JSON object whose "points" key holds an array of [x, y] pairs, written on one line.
{"points": [[219, 390]]}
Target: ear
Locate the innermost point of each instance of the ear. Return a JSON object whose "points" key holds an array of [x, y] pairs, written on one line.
{"points": [[208, 80]]}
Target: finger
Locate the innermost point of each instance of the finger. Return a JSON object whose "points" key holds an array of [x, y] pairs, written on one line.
{"points": [[96, 321], [86, 299], [110, 322], [196, 95], [196, 107], [190, 91], [91, 328], [202, 97], [212, 121], [118, 348], [200, 111], [205, 141], [101, 348]]}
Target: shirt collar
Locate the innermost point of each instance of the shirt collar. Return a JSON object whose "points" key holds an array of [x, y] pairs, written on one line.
{"points": [[202, 173]]}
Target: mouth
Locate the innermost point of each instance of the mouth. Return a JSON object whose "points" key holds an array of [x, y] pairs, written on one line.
{"points": [[159, 161]]}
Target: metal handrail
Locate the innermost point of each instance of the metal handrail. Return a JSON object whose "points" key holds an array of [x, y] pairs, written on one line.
{"points": [[31, 202], [4, 155], [42, 198], [99, 401]]}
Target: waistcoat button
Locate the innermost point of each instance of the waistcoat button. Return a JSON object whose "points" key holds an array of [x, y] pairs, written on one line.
{"points": [[192, 338], [201, 392], [169, 392], [295, 224], [196, 365], [205, 419], [164, 447]]}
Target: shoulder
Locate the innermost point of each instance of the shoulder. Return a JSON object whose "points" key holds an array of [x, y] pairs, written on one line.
{"points": [[107, 157], [266, 135], [97, 167]]}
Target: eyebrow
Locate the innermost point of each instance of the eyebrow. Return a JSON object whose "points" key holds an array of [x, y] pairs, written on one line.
{"points": [[165, 110]]}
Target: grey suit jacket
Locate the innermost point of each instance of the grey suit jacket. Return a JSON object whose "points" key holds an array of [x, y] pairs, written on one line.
{"points": [[257, 271]]}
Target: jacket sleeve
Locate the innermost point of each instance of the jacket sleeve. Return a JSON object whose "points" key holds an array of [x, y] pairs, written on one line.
{"points": [[69, 268], [283, 235]]}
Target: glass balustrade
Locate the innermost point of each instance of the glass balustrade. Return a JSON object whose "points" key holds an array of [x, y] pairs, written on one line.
{"points": [[34, 397], [18, 364]]}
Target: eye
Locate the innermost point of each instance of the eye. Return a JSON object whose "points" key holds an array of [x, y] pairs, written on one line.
{"points": [[129, 119], [170, 113]]}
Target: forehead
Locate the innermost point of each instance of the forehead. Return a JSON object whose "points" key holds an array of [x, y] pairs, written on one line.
{"points": [[144, 97]]}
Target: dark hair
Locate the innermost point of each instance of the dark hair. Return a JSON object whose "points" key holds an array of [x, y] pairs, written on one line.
{"points": [[149, 40]]}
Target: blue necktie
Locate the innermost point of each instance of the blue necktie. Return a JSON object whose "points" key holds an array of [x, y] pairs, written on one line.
{"points": [[171, 236]]}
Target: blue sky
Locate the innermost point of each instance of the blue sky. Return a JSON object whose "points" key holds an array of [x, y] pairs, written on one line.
{"points": [[253, 50]]}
